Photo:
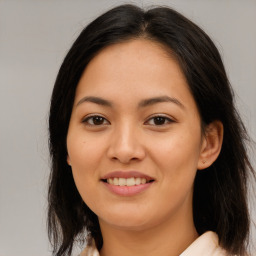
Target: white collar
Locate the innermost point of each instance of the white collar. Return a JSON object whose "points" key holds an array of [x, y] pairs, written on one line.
{"points": [[206, 245]]}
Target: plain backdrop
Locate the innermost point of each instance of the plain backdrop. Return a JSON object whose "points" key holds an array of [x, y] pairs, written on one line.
{"points": [[34, 38]]}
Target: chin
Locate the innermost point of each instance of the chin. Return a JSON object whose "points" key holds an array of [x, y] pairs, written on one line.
{"points": [[129, 220], [131, 225]]}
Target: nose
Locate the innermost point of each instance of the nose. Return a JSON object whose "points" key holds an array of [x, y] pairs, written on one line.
{"points": [[125, 145]]}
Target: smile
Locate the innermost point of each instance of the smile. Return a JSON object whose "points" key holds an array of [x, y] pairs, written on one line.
{"points": [[127, 182]]}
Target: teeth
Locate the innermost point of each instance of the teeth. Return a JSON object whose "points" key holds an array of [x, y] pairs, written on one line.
{"points": [[130, 182], [126, 182], [115, 181], [122, 182], [137, 181]]}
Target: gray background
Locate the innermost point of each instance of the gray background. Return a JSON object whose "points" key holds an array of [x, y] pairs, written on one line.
{"points": [[34, 37]]}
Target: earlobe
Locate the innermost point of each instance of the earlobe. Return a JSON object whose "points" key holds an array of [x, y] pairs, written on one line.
{"points": [[68, 160], [211, 145]]}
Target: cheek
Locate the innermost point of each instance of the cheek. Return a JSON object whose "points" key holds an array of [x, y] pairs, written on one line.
{"points": [[84, 164], [84, 155], [176, 159], [83, 152], [177, 149]]}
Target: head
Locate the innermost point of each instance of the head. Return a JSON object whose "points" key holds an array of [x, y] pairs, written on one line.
{"points": [[216, 183]]}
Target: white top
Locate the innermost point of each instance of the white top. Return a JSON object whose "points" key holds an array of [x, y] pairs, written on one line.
{"points": [[206, 245]]}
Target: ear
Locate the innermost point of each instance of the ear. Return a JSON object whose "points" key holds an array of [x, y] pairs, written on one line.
{"points": [[211, 144], [68, 160]]}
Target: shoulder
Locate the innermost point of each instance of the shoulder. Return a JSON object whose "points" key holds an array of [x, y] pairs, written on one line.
{"points": [[207, 245], [90, 251]]}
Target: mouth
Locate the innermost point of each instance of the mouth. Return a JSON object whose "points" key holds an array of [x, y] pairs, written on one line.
{"points": [[127, 178], [132, 181], [127, 183]]}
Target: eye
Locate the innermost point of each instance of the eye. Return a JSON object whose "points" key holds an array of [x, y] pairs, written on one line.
{"points": [[159, 120], [95, 120]]}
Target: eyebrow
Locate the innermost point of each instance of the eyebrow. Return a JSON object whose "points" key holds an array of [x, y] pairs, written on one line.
{"points": [[142, 104], [152, 101], [95, 100]]}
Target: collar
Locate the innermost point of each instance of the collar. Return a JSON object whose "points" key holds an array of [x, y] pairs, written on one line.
{"points": [[206, 244]]}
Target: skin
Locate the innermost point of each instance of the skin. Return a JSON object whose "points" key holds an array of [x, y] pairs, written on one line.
{"points": [[159, 220]]}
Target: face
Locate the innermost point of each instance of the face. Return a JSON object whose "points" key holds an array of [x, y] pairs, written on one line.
{"points": [[134, 138]]}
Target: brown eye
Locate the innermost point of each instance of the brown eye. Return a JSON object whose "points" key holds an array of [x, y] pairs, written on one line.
{"points": [[159, 120], [95, 120]]}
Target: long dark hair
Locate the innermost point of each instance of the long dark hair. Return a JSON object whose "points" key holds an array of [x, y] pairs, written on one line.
{"points": [[220, 192]]}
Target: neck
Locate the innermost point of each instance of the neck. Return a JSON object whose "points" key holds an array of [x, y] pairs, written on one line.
{"points": [[169, 238]]}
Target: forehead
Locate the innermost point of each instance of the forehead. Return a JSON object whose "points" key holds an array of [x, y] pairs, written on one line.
{"points": [[138, 67], [146, 54]]}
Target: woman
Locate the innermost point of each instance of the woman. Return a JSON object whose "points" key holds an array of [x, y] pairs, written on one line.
{"points": [[148, 151]]}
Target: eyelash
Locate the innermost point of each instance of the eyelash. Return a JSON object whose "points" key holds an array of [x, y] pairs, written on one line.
{"points": [[95, 117], [166, 119], [87, 119]]}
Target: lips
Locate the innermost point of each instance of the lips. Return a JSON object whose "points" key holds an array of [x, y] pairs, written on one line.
{"points": [[127, 183], [126, 178]]}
